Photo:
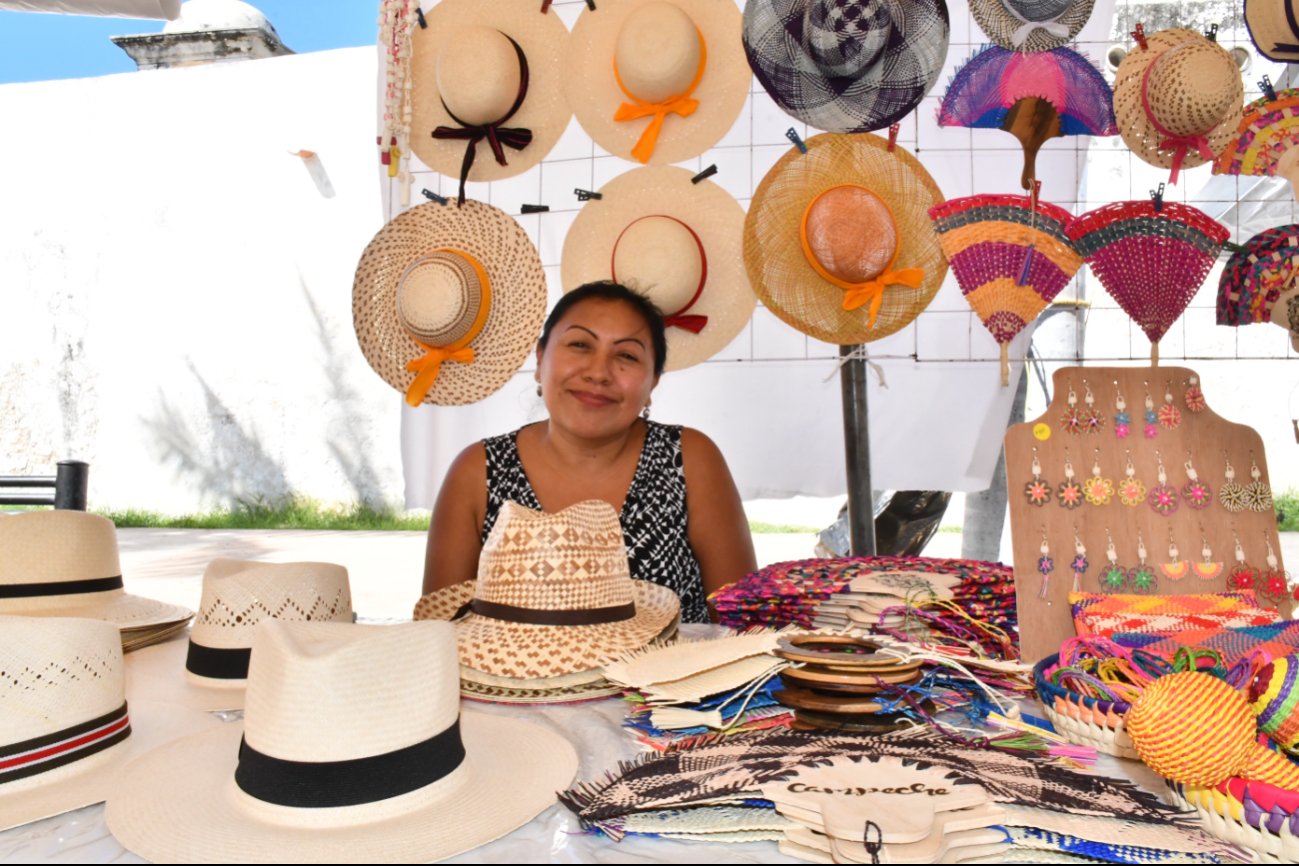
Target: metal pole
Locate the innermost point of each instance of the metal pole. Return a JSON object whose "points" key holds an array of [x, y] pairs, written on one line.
{"points": [[857, 453], [71, 485]]}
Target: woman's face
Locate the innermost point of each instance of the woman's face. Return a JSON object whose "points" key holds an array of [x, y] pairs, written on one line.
{"points": [[597, 370]]}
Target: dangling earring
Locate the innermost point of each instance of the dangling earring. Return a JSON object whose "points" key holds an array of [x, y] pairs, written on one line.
{"points": [[1176, 568], [1258, 496], [1045, 565], [1037, 491], [1244, 575], [1080, 563], [1163, 497], [1069, 492], [1206, 569], [1072, 422], [1132, 492], [1098, 490], [1143, 577], [1231, 494], [1122, 420], [644, 413], [538, 389], [1113, 576], [1275, 582], [1198, 494], [1169, 415], [1092, 420], [1194, 396], [1152, 419]]}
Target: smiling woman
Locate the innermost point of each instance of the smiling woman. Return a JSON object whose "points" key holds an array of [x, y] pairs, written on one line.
{"points": [[599, 358]]}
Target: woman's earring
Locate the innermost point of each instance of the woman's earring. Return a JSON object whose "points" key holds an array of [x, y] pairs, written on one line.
{"points": [[1176, 568], [1098, 490], [1206, 569], [1037, 491], [1244, 576], [1198, 494], [1143, 577], [1163, 497], [1194, 395], [1113, 576], [1092, 419], [1069, 493], [1080, 563], [1072, 421], [1122, 420], [1045, 565], [1169, 415], [644, 413], [1258, 496], [1231, 494], [1151, 417], [1132, 491], [538, 389], [1275, 583]]}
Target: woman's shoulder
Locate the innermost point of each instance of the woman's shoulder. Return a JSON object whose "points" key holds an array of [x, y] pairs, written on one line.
{"points": [[699, 453]]}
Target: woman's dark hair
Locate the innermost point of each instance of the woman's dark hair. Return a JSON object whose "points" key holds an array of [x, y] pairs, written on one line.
{"points": [[606, 290]]}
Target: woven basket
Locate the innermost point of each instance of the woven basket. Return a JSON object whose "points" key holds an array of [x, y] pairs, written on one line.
{"points": [[1226, 817], [1081, 719]]}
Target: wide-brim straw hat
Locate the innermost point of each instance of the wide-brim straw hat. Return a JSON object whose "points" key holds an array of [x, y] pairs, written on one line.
{"points": [[210, 670], [1274, 27], [679, 243], [468, 282], [353, 748], [65, 563], [1179, 100], [846, 66], [1031, 25], [63, 708], [782, 273], [681, 63], [467, 49]]}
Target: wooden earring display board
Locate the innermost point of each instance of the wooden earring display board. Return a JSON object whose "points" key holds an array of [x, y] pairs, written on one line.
{"points": [[1210, 440]]}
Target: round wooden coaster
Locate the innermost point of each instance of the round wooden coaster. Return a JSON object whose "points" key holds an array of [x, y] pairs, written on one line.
{"points": [[839, 650], [850, 723], [806, 699], [811, 677], [831, 689]]}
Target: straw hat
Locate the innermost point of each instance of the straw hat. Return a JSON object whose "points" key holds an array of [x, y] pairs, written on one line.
{"points": [[1264, 143], [803, 239], [678, 242], [352, 748], [1274, 27], [454, 293], [846, 65], [657, 81], [554, 595], [1031, 25], [1178, 101], [64, 563], [210, 670], [65, 727], [486, 102]]}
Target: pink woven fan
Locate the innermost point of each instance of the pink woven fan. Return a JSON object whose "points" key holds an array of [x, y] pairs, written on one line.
{"points": [[1151, 256]]}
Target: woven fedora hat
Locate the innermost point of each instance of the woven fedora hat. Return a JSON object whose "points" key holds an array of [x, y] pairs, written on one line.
{"points": [[65, 727], [554, 595], [448, 302], [210, 670], [1178, 101], [654, 80], [846, 65], [65, 563], [803, 239], [353, 748], [1031, 25], [1274, 27], [679, 243], [486, 77]]}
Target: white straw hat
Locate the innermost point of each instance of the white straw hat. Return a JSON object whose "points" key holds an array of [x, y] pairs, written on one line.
{"points": [[353, 748], [65, 727], [210, 670]]}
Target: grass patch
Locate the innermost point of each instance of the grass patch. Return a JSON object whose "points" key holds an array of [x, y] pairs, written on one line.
{"points": [[1287, 510], [957, 529], [292, 513], [758, 527]]}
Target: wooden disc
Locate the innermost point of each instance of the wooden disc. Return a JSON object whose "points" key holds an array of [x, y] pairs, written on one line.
{"points": [[806, 699], [851, 723], [840, 651], [809, 677]]}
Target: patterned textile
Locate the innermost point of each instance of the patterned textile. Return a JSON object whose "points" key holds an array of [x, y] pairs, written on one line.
{"points": [[1103, 615], [653, 515], [1255, 276], [1276, 639], [733, 768], [1031, 837]]}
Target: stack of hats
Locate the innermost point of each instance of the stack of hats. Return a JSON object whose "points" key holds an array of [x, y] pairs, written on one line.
{"points": [[553, 602], [838, 683], [65, 564]]}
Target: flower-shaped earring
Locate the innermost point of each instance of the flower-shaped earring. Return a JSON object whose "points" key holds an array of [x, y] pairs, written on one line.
{"points": [[1163, 497], [1206, 568], [1092, 420], [1098, 490], [1072, 420], [1143, 577], [1122, 420], [1274, 584], [1197, 494], [1037, 491], [1045, 565], [1194, 396], [1244, 576], [1132, 491], [1069, 493], [1169, 415], [1079, 564], [1113, 576], [1231, 494], [1258, 496], [1151, 417], [1176, 568]]}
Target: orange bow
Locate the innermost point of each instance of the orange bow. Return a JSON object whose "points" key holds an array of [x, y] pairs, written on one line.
{"points": [[872, 291], [681, 105], [426, 368]]}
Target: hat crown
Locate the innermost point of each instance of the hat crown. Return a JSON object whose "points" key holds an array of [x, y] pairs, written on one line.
{"points": [[329, 691], [844, 37], [57, 672], [478, 75], [439, 296], [574, 559], [238, 594], [1193, 86], [851, 232], [1037, 11], [56, 547], [660, 255], [657, 52]]}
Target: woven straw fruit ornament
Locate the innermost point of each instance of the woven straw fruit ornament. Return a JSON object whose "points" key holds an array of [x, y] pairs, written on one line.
{"points": [[1274, 697]]}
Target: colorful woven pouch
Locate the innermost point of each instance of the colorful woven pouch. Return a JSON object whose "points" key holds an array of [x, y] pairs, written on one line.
{"points": [[1103, 615], [1256, 275], [1080, 718], [1275, 639]]}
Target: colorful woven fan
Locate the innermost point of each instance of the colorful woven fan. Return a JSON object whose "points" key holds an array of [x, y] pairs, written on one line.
{"points": [[1151, 256], [1256, 276], [1010, 259], [1032, 96], [1266, 138]]}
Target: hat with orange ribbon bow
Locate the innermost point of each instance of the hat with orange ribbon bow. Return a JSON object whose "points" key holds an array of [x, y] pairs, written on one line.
{"points": [[657, 81], [448, 302], [678, 242], [838, 241]]}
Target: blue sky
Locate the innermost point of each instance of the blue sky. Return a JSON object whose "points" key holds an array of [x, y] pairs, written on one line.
{"points": [[38, 47]]}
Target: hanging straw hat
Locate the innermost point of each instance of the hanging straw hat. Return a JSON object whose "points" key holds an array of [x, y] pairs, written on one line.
{"points": [[1265, 141], [210, 670], [656, 81], [448, 302], [680, 243], [1031, 25], [65, 563], [846, 65], [1274, 27], [65, 727], [353, 748], [1178, 99], [1259, 282], [1034, 97], [1011, 257], [486, 76], [554, 595], [804, 234]]}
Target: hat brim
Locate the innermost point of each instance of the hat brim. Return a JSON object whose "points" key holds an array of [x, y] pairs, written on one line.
{"points": [[180, 804], [157, 673], [1000, 26], [1268, 30], [518, 303], [544, 110], [128, 612], [718, 220], [89, 781], [595, 96], [778, 269]]}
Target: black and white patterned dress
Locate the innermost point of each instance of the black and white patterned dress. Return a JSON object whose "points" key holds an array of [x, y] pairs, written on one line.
{"points": [[653, 516]]}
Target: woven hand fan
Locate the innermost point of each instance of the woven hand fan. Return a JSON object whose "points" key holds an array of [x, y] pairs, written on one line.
{"points": [[1151, 256], [1257, 275], [1265, 141], [1010, 258], [1034, 97]]}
